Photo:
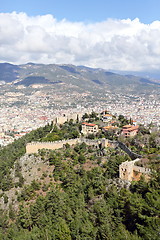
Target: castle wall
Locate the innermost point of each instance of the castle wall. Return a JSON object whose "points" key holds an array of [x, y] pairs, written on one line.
{"points": [[139, 171], [65, 118], [61, 120], [131, 154], [128, 171], [35, 146]]}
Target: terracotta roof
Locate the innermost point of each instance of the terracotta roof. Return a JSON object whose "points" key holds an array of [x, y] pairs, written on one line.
{"points": [[113, 121], [130, 129], [43, 118], [110, 127], [107, 115], [127, 126], [134, 127], [89, 124]]}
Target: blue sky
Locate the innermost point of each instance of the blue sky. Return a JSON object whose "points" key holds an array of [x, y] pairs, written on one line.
{"points": [[111, 34], [87, 10]]}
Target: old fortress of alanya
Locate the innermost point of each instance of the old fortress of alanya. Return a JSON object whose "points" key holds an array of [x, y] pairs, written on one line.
{"points": [[127, 170], [35, 146], [130, 171]]}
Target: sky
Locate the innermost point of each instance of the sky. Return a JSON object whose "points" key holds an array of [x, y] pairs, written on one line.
{"points": [[112, 34]]}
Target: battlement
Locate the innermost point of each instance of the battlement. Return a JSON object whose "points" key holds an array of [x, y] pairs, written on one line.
{"points": [[33, 147], [51, 143]]}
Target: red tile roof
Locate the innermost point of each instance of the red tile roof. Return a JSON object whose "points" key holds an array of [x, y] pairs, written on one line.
{"points": [[127, 126], [130, 127], [89, 124], [107, 115]]}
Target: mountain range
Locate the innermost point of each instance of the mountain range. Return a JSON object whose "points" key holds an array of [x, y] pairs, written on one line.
{"points": [[81, 77]]}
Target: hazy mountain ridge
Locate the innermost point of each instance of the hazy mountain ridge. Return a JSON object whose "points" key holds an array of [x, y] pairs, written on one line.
{"points": [[79, 76], [8, 72]]}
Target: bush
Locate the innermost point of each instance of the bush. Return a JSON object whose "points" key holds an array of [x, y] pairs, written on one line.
{"points": [[81, 158], [5, 197]]}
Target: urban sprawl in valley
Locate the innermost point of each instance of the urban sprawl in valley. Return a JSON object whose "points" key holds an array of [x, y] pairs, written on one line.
{"points": [[23, 111]]}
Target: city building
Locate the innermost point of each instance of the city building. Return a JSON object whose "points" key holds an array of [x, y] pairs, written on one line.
{"points": [[129, 130], [89, 128], [107, 118]]}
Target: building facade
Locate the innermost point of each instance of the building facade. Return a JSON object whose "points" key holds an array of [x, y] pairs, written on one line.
{"points": [[89, 128], [107, 118], [129, 130]]}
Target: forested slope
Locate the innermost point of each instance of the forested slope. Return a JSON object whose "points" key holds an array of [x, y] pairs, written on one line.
{"points": [[83, 198]]}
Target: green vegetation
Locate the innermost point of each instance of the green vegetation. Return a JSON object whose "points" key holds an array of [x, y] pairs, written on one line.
{"points": [[147, 144], [85, 204], [81, 198], [92, 117], [68, 130], [10, 153]]}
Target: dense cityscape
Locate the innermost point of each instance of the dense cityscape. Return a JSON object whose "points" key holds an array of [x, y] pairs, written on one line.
{"points": [[21, 112]]}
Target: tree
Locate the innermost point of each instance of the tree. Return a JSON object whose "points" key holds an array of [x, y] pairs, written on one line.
{"points": [[81, 158], [61, 230], [24, 218], [85, 116]]}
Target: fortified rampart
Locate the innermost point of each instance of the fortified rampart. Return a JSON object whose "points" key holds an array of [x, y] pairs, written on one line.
{"points": [[131, 154], [33, 147], [65, 118], [116, 144], [129, 171]]}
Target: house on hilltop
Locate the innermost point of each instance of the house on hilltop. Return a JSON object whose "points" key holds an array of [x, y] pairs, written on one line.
{"points": [[115, 129], [107, 118], [129, 130], [89, 128]]}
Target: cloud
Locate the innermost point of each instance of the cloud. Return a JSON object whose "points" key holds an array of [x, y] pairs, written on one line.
{"points": [[113, 44]]}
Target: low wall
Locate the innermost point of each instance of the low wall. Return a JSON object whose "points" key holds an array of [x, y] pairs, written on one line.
{"points": [[142, 169], [131, 154], [33, 147]]}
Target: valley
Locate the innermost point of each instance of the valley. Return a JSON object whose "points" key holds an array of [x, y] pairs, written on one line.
{"points": [[33, 95]]}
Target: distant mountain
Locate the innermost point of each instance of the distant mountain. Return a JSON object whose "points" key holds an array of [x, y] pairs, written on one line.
{"points": [[155, 76], [144, 80], [35, 80], [8, 72], [81, 77]]}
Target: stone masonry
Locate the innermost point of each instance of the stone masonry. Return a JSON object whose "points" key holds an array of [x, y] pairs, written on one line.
{"points": [[35, 146], [129, 171]]}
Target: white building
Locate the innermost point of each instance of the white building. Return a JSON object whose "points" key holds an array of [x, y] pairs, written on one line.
{"points": [[89, 128]]}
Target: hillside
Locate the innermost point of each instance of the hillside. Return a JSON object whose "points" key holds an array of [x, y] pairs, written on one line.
{"points": [[75, 76], [74, 192]]}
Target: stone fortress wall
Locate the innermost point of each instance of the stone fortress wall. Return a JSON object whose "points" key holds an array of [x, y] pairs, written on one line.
{"points": [[33, 147], [131, 154], [62, 119], [129, 171]]}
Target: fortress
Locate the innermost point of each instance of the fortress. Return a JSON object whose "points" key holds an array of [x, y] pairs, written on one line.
{"points": [[127, 170], [67, 117], [131, 172], [33, 147]]}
